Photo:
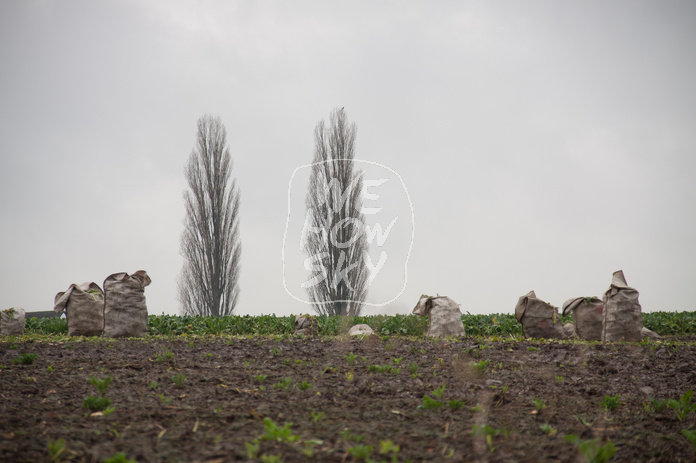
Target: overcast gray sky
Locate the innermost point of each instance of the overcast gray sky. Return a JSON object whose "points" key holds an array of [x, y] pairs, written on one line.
{"points": [[543, 144]]}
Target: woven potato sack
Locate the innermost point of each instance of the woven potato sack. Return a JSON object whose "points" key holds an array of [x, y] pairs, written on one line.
{"points": [[12, 322], [84, 309], [623, 319], [539, 319], [360, 330], [588, 315], [569, 330], [646, 333], [125, 310], [306, 325], [445, 315]]}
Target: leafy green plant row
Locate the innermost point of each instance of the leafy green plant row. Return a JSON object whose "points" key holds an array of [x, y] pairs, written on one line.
{"points": [[664, 323]]}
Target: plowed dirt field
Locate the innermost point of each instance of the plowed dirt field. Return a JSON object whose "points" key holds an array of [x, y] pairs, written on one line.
{"points": [[503, 400]]}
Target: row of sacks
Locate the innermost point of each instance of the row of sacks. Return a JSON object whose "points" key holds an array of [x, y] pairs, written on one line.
{"points": [[615, 317], [117, 311]]}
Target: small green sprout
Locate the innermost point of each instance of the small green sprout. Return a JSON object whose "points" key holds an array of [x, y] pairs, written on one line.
{"points": [[350, 358], [430, 404], [56, 449], [119, 458], [592, 449], [303, 386], [455, 404], [487, 431], [285, 384], [276, 433], [656, 405], [387, 447], [439, 391], [609, 402], [480, 366], [25, 359], [539, 404], [179, 380], [348, 436], [683, 406], [690, 435], [100, 384], [96, 404], [252, 449], [360, 452], [164, 355]]}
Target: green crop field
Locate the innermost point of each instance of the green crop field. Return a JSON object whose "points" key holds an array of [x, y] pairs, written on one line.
{"points": [[663, 323]]}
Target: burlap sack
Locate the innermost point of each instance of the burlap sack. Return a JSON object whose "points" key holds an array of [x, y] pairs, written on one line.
{"points": [[12, 322], [538, 318], [445, 315], [569, 330], [304, 324], [361, 329], [622, 312], [84, 309], [125, 310], [588, 315], [646, 333]]}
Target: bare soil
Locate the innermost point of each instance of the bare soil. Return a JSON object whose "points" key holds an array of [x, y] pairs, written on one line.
{"points": [[222, 403]]}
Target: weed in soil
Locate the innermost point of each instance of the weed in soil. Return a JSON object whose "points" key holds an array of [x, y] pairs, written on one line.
{"points": [[100, 384], [592, 449], [609, 402], [56, 449], [690, 435], [96, 404], [25, 359], [119, 458], [683, 406]]}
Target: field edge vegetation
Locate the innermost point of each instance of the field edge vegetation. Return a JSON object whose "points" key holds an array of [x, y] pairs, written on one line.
{"points": [[663, 323]]}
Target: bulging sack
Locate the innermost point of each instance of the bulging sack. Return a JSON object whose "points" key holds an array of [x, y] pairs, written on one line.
{"points": [[539, 319], [306, 325], [588, 315], [622, 312], [12, 322], [569, 330], [445, 315], [125, 310], [360, 329], [84, 309]]}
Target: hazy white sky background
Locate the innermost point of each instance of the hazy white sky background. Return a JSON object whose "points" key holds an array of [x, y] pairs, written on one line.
{"points": [[544, 144]]}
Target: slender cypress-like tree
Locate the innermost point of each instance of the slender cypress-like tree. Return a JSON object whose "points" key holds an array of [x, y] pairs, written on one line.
{"points": [[210, 243], [333, 236]]}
